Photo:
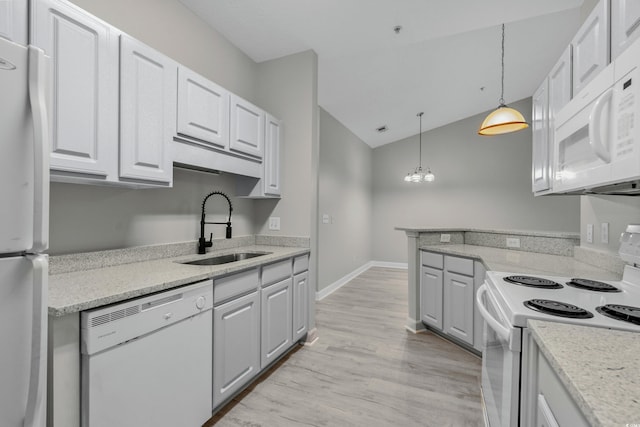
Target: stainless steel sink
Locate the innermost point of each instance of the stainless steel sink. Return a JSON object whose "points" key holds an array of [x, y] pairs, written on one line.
{"points": [[225, 259]]}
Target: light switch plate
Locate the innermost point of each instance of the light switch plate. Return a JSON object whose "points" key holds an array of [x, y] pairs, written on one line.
{"points": [[325, 218], [604, 232], [274, 223], [589, 233]]}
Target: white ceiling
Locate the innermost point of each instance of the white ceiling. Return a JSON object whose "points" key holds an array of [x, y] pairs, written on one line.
{"points": [[369, 76]]}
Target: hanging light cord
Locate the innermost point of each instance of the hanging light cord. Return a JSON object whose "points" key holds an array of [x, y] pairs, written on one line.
{"points": [[502, 104], [420, 115]]}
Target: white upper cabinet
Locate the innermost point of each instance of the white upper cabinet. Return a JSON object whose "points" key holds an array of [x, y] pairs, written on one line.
{"points": [[591, 51], [147, 112], [271, 176], [203, 109], [625, 24], [14, 21], [560, 84], [540, 138], [84, 94], [247, 127]]}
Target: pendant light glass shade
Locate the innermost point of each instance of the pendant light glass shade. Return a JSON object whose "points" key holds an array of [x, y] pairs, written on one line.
{"points": [[418, 175], [503, 119]]}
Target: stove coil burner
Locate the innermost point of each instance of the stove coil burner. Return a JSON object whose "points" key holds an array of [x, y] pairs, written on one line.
{"points": [[621, 312], [533, 282], [592, 285], [557, 308]]}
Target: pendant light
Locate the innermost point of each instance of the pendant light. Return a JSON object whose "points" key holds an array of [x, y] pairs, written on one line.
{"points": [[418, 175], [503, 119]]}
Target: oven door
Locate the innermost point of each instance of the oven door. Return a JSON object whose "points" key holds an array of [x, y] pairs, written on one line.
{"points": [[500, 363]]}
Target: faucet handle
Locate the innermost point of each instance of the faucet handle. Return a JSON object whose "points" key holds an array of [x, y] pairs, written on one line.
{"points": [[211, 238]]}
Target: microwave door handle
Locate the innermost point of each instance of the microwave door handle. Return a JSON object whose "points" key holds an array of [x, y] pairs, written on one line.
{"points": [[500, 329], [38, 78], [595, 127]]}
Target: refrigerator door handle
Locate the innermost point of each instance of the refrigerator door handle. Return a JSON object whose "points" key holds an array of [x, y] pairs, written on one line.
{"points": [[36, 400], [38, 78]]}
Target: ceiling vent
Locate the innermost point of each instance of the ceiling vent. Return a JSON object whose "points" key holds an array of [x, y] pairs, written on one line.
{"points": [[382, 129]]}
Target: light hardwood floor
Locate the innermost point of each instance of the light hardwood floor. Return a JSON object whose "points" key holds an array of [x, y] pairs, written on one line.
{"points": [[365, 370]]}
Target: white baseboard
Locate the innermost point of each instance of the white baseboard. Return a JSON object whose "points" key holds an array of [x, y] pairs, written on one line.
{"points": [[414, 326], [385, 264], [342, 281]]}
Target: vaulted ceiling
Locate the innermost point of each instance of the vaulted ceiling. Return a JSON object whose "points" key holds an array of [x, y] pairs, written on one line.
{"points": [[445, 59]]}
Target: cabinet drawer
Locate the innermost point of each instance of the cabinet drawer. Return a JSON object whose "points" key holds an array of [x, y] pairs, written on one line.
{"points": [[276, 272], [431, 259], [459, 265], [300, 264], [237, 284]]}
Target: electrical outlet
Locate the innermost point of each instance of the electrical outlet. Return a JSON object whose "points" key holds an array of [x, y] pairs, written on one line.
{"points": [[513, 242], [274, 223], [445, 238], [589, 233], [604, 232], [325, 218]]}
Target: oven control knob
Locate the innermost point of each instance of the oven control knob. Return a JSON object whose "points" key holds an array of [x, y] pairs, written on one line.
{"points": [[200, 302]]}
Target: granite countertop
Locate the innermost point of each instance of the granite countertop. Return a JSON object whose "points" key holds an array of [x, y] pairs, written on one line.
{"points": [[600, 369], [496, 259], [558, 234], [81, 290]]}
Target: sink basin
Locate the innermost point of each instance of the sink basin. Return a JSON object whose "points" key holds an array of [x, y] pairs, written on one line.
{"points": [[225, 259]]}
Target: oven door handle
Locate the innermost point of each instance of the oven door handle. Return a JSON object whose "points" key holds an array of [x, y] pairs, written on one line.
{"points": [[501, 330]]}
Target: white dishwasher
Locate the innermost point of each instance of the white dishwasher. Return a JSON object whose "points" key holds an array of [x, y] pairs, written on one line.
{"points": [[147, 361]]}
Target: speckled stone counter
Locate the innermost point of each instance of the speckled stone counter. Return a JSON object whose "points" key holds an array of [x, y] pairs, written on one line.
{"points": [[75, 291], [496, 259], [600, 369]]}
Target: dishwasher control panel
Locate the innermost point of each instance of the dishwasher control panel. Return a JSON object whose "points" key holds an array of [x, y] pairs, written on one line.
{"points": [[105, 327]]}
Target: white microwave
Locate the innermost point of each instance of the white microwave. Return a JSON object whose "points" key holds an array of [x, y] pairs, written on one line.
{"points": [[597, 134]]}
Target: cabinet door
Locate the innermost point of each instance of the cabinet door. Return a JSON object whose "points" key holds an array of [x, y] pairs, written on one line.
{"points": [[560, 85], [84, 89], [625, 25], [236, 345], [247, 127], [277, 323], [271, 176], [203, 109], [431, 297], [591, 47], [540, 138], [458, 306], [14, 19], [148, 82], [300, 305]]}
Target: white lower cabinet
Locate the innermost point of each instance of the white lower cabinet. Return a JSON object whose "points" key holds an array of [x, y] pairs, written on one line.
{"points": [[300, 305], [277, 323], [458, 306], [545, 400], [447, 296], [431, 283], [236, 345]]}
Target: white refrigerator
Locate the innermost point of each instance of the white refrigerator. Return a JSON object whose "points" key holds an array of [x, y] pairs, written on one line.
{"points": [[24, 231]]}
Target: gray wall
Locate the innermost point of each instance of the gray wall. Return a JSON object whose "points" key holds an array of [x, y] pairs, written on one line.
{"points": [[618, 211], [482, 182], [287, 88], [86, 218], [345, 195]]}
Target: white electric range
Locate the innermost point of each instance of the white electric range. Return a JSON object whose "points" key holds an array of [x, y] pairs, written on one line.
{"points": [[507, 300]]}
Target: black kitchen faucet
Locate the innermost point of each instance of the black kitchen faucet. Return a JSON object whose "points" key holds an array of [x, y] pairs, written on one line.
{"points": [[202, 242]]}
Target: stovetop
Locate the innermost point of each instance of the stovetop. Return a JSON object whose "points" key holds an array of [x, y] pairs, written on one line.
{"points": [[512, 298]]}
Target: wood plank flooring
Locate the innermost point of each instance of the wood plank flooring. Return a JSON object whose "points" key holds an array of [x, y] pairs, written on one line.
{"points": [[365, 370]]}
